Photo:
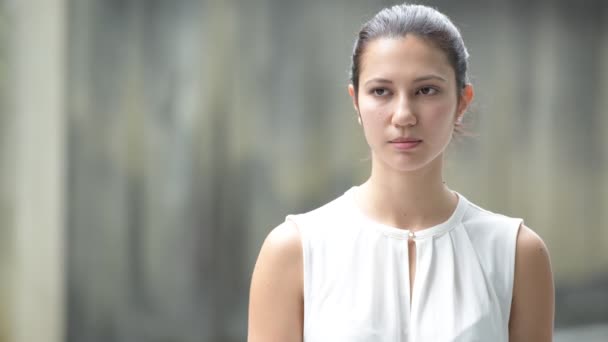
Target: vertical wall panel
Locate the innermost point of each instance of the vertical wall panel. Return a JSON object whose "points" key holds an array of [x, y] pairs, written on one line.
{"points": [[36, 75]]}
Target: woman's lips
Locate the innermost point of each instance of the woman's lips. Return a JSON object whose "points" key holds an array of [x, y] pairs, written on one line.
{"points": [[405, 144]]}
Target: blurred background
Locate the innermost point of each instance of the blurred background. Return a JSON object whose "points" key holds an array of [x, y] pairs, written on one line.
{"points": [[149, 146]]}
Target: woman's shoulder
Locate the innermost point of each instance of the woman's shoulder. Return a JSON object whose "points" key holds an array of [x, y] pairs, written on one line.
{"points": [[502, 232], [493, 235], [281, 251], [336, 208], [478, 218], [275, 301]]}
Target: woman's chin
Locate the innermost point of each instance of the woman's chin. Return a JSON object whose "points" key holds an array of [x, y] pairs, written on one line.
{"points": [[409, 163]]}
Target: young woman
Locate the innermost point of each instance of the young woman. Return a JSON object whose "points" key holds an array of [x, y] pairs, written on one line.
{"points": [[402, 257]]}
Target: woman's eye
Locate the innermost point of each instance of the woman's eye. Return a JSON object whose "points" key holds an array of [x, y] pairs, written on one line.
{"points": [[380, 92], [427, 91]]}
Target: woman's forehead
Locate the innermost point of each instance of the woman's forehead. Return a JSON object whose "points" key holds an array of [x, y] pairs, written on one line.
{"points": [[409, 57]]}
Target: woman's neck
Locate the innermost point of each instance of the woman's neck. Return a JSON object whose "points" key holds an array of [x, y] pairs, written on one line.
{"points": [[411, 200]]}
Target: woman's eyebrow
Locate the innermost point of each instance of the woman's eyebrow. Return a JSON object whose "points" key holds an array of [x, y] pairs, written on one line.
{"points": [[430, 77], [418, 79], [378, 80]]}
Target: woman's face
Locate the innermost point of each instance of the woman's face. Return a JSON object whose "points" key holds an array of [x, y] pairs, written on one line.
{"points": [[407, 101]]}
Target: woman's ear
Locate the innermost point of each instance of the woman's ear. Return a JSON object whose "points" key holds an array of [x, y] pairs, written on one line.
{"points": [[353, 96], [351, 92], [466, 98]]}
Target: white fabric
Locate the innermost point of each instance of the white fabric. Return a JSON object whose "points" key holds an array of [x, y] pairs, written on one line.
{"points": [[356, 276]]}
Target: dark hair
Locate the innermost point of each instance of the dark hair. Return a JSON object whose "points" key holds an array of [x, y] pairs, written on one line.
{"points": [[421, 21]]}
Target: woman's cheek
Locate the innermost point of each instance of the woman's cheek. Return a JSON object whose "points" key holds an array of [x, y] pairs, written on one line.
{"points": [[375, 113], [443, 112]]}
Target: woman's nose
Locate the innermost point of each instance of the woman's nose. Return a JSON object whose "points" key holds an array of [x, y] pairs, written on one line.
{"points": [[404, 115]]}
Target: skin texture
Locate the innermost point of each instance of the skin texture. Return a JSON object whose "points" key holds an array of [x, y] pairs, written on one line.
{"points": [[407, 89]]}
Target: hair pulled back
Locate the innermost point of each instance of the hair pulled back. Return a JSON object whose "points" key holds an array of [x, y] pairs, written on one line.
{"points": [[421, 21]]}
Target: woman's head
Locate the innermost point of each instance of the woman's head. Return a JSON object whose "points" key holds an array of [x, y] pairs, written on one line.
{"points": [[421, 21], [409, 85]]}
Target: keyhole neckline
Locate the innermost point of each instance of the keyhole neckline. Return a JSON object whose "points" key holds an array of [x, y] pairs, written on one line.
{"points": [[405, 234]]}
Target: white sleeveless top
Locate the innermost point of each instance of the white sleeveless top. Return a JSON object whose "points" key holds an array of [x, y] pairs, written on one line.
{"points": [[356, 276]]}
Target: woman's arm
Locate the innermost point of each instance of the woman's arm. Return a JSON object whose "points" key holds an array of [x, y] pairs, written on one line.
{"points": [[532, 310], [276, 295]]}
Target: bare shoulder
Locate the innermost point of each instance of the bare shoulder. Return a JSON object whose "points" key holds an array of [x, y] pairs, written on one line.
{"points": [[281, 252], [532, 310], [275, 301], [284, 241], [530, 245]]}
